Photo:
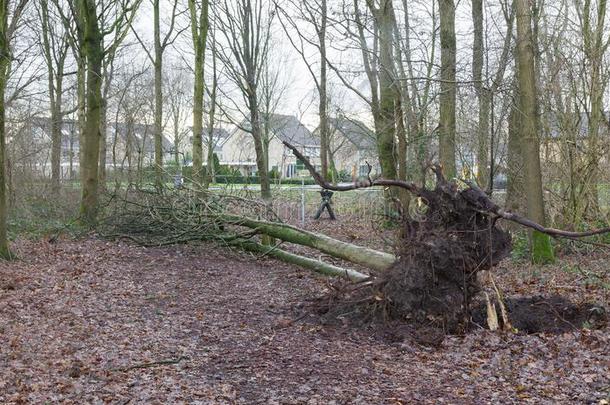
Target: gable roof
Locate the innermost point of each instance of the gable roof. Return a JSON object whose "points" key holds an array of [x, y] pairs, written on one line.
{"points": [[286, 128], [354, 131]]}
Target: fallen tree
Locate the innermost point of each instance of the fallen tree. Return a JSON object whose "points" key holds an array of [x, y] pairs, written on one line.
{"points": [[433, 278], [311, 264], [370, 258]]}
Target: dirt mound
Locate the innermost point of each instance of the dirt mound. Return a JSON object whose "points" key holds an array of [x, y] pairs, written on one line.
{"points": [[554, 314]]}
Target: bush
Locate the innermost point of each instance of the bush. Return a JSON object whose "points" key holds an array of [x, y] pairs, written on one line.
{"points": [[274, 174], [344, 175]]}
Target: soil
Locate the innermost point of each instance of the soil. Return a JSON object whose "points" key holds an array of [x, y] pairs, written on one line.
{"points": [[90, 321]]}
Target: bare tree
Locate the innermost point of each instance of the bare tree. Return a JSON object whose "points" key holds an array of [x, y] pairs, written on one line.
{"points": [[213, 100], [383, 15], [245, 26], [594, 47], [446, 128], [199, 28], [179, 102], [97, 36], [11, 12], [55, 48], [415, 99], [315, 15], [542, 250], [161, 42], [486, 89]]}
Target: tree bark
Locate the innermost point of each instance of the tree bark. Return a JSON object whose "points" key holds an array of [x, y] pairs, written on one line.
{"points": [[210, 169], [199, 27], [317, 266], [5, 62], [56, 127], [370, 258], [448, 88], [322, 93], [260, 148], [514, 187], [158, 66], [102, 171], [386, 125], [93, 51], [81, 96], [54, 52], [541, 249], [594, 49], [482, 91]]}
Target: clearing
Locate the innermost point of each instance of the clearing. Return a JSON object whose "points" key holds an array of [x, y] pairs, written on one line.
{"points": [[91, 321]]}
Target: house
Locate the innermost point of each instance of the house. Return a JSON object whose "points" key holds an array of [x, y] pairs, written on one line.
{"points": [[133, 144], [219, 136], [237, 150], [352, 145], [570, 134], [29, 145], [127, 144]]}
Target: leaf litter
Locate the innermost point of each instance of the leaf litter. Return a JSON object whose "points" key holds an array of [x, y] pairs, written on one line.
{"points": [[89, 321]]}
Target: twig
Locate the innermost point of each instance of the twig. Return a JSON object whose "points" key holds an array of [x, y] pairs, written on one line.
{"points": [[151, 364]]}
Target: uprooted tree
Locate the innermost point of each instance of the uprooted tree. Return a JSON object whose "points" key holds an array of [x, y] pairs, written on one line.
{"points": [[433, 277]]}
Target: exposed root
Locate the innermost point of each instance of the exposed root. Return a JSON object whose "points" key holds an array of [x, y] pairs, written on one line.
{"points": [[435, 278]]}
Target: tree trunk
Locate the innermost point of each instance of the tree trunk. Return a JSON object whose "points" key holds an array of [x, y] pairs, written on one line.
{"points": [[71, 163], [176, 140], [448, 88], [594, 48], [260, 149], [54, 52], [322, 92], [370, 258], [478, 53], [90, 149], [416, 104], [158, 65], [198, 120], [387, 91], [56, 126], [210, 170], [199, 25], [81, 94], [103, 143], [311, 264], [541, 249], [514, 187], [5, 252], [401, 134]]}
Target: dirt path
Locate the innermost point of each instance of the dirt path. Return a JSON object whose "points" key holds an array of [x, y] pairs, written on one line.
{"points": [[98, 322]]}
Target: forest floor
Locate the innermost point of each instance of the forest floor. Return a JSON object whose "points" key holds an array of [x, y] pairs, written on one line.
{"points": [[92, 321]]}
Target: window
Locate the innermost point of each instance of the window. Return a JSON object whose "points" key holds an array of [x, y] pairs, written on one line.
{"points": [[363, 171], [291, 170]]}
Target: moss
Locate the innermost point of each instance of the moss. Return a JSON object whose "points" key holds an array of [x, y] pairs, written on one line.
{"points": [[542, 249]]}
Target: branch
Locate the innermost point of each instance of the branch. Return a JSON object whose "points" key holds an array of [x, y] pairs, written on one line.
{"points": [[358, 184], [476, 197]]}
